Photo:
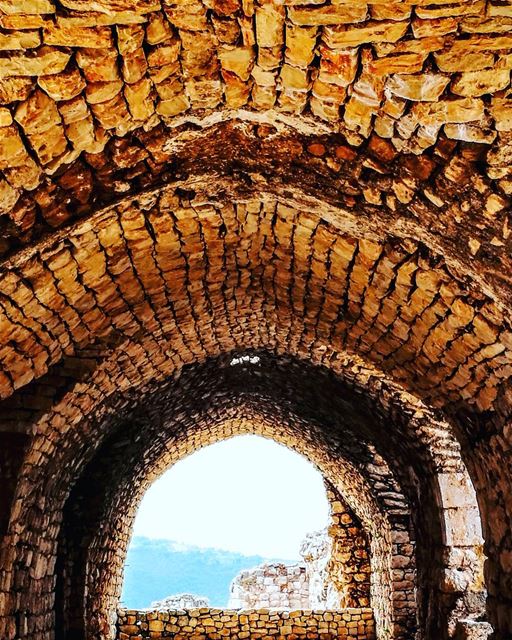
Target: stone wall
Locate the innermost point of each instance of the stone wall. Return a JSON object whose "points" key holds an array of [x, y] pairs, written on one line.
{"points": [[347, 569], [220, 624], [271, 585], [472, 630], [335, 572]]}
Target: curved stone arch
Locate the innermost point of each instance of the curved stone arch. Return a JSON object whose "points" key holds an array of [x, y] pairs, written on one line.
{"points": [[80, 131], [68, 407], [139, 230], [235, 420], [263, 323], [231, 57]]}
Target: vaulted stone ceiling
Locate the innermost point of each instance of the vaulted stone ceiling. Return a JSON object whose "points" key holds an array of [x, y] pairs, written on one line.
{"points": [[378, 101], [326, 185]]}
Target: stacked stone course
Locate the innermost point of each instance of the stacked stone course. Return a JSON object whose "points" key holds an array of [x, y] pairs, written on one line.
{"points": [[257, 624], [274, 585], [92, 97]]}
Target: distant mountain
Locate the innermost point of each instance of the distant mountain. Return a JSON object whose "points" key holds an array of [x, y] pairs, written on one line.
{"points": [[158, 568]]}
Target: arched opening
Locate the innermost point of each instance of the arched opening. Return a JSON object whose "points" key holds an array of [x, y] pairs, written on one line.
{"points": [[132, 456], [347, 402], [229, 217], [229, 507]]}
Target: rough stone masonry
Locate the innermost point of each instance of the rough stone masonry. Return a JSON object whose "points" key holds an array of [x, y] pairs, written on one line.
{"points": [[334, 573], [259, 624], [289, 218]]}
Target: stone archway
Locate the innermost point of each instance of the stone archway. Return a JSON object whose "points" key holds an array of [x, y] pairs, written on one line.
{"points": [[105, 560], [443, 450], [111, 489], [325, 184]]}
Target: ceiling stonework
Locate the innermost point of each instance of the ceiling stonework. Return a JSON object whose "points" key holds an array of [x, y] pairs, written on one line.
{"points": [[324, 186]]}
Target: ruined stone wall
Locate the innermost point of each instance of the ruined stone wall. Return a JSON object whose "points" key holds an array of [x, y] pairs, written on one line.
{"points": [[217, 624], [316, 552], [348, 569], [342, 571], [180, 601], [335, 573], [274, 585]]}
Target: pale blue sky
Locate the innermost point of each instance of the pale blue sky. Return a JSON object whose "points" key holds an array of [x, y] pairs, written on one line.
{"points": [[247, 494]]}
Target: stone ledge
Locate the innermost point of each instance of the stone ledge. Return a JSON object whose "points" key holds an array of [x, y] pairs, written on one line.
{"points": [[218, 624]]}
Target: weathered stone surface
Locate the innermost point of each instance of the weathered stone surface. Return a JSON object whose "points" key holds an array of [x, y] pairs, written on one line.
{"points": [[44, 61], [181, 181], [20, 40], [15, 89], [270, 585], [72, 35], [180, 601], [340, 37], [478, 83], [329, 15], [172, 56], [419, 88], [63, 86], [27, 6], [269, 25], [248, 623]]}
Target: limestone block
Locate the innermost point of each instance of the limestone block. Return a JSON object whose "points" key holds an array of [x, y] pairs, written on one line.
{"points": [[19, 40], [491, 25], [501, 111], [478, 83], [99, 19], [76, 36], [463, 527], [456, 491], [37, 114], [45, 61], [63, 86], [15, 89], [190, 16], [98, 65], [405, 63], [111, 6], [338, 67], [434, 26], [424, 87], [138, 98], [328, 15], [270, 25], [97, 92], [463, 61], [26, 6], [353, 36], [237, 60], [158, 29]]}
